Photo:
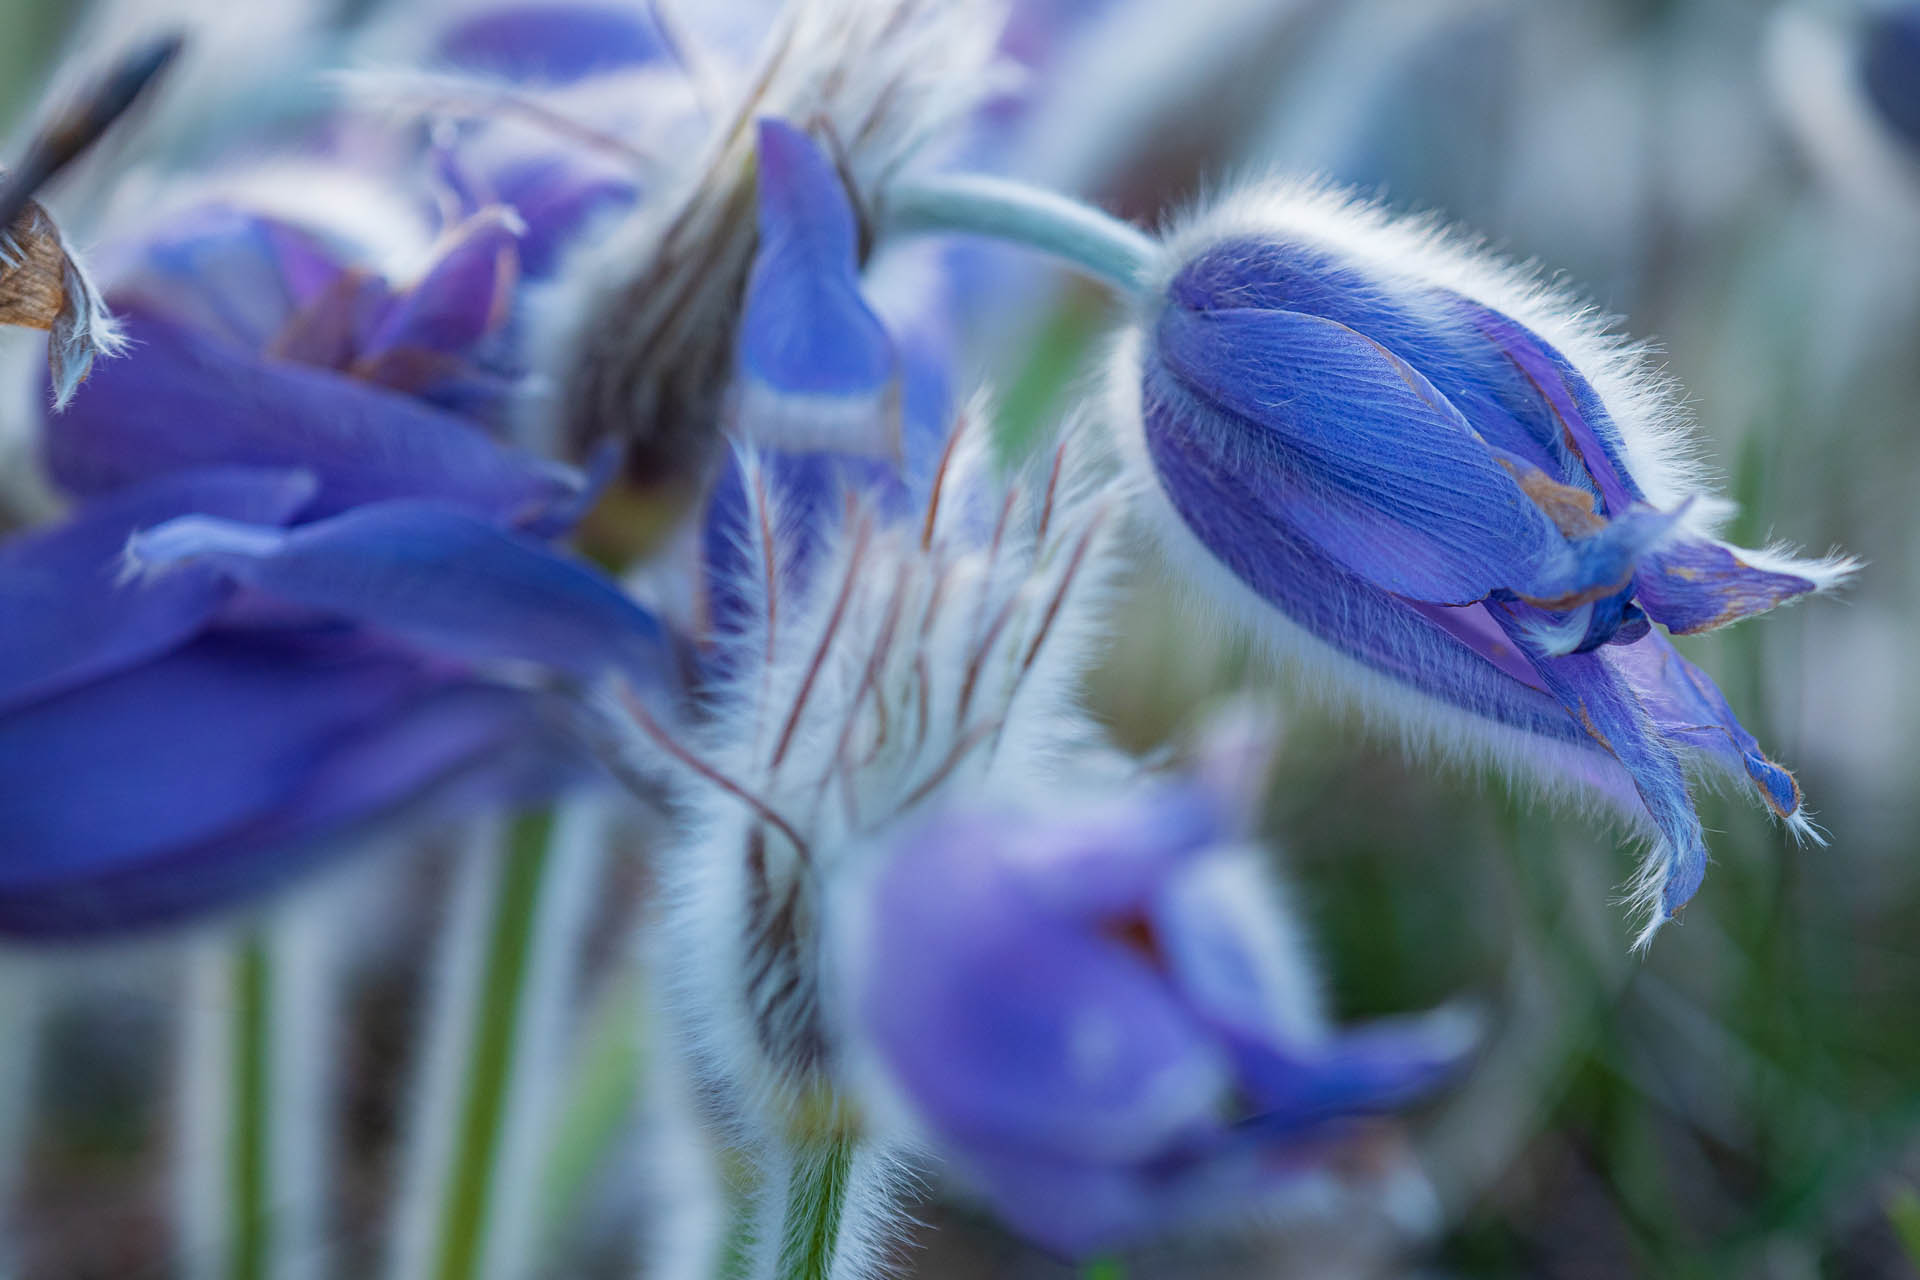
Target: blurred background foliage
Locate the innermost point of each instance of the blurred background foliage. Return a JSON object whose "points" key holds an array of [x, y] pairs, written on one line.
{"points": [[1745, 1101]]}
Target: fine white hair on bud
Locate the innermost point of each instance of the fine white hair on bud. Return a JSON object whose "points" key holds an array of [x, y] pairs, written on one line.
{"points": [[1336, 407], [933, 645]]}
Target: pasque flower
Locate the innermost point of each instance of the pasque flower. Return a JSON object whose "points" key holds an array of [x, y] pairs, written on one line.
{"points": [[302, 588], [1098, 1010], [1432, 479]]}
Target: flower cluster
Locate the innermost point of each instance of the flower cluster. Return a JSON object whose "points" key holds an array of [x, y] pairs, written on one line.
{"points": [[313, 576]]}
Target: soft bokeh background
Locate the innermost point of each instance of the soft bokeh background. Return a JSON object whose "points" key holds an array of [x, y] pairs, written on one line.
{"points": [[1745, 1101]]}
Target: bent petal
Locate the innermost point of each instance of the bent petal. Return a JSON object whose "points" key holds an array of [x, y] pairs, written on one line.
{"points": [[1697, 586], [817, 364], [1604, 705], [434, 576], [71, 613], [1689, 709], [183, 400]]}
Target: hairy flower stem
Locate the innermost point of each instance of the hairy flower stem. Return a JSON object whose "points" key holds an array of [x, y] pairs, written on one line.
{"points": [[1113, 252], [816, 1203]]}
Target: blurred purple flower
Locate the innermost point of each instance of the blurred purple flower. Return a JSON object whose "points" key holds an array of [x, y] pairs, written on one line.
{"points": [[1100, 1014], [554, 43], [1365, 428], [1890, 69], [299, 591]]}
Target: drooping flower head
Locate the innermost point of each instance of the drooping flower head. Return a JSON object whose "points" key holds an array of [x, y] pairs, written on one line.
{"points": [[1439, 485], [1097, 1008]]}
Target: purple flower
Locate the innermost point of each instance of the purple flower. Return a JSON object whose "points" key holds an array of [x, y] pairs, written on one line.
{"points": [[1098, 1013], [1452, 491], [298, 592]]}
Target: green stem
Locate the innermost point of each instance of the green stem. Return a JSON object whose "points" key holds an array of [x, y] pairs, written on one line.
{"points": [[816, 1200], [250, 1241], [490, 1057], [1114, 252]]}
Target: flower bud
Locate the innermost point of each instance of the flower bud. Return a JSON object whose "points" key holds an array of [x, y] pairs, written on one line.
{"points": [[1437, 482]]}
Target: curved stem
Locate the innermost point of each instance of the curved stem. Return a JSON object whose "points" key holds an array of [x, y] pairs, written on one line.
{"points": [[1114, 252]]}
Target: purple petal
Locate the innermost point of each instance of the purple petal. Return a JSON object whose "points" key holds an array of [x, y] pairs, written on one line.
{"points": [[1372, 1070], [817, 362], [557, 197], [434, 576], [1689, 708], [1224, 507], [554, 43], [182, 400], [1355, 449], [1690, 587], [227, 272], [227, 768], [464, 296], [178, 751], [1011, 1030], [71, 613], [325, 332], [1602, 703], [1216, 926], [1567, 397]]}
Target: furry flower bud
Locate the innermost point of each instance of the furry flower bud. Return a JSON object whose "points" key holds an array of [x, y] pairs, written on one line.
{"points": [[1429, 476]]}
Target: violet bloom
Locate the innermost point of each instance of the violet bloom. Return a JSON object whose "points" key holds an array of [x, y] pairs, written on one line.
{"points": [[298, 592], [1101, 1016], [1425, 475]]}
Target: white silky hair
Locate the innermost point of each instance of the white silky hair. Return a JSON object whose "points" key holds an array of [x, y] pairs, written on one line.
{"points": [[928, 654]]}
